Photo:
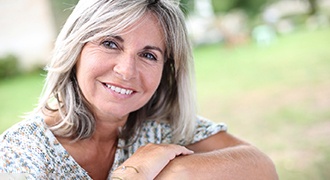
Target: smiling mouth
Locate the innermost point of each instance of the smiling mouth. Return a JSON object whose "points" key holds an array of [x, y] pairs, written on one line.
{"points": [[119, 90]]}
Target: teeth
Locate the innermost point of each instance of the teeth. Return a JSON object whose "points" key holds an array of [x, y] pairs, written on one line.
{"points": [[119, 90]]}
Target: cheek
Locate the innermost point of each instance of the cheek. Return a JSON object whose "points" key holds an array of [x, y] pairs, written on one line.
{"points": [[85, 73], [90, 64], [154, 78]]}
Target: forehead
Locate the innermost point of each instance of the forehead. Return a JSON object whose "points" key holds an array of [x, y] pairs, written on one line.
{"points": [[149, 22], [146, 28]]}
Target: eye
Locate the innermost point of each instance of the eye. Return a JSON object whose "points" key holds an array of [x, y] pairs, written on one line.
{"points": [[149, 56], [109, 44]]}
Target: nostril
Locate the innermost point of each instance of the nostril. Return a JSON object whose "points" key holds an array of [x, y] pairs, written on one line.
{"points": [[125, 70]]}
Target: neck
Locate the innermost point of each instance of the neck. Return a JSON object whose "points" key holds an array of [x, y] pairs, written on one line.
{"points": [[106, 131], [97, 153], [107, 128]]}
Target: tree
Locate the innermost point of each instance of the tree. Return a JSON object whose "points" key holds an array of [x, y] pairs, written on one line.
{"points": [[223, 5], [251, 7], [187, 6], [313, 7]]}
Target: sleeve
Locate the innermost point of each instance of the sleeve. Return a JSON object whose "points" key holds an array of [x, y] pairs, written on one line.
{"points": [[206, 128], [161, 132], [20, 157]]}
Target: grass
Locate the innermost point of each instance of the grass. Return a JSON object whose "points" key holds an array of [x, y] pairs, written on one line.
{"points": [[18, 95], [276, 97]]}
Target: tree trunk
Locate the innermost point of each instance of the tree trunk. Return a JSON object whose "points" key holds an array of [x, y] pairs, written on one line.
{"points": [[313, 7]]}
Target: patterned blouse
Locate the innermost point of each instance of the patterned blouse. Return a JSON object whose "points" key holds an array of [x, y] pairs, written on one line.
{"points": [[30, 150]]}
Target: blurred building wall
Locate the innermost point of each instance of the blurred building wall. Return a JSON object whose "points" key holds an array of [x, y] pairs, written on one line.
{"points": [[27, 30]]}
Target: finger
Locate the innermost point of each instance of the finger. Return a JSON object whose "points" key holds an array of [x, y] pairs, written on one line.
{"points": [[184, 151], [173, 150]]}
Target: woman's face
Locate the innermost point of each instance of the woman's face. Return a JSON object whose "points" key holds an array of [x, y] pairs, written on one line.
{"points": [[119, 74]]}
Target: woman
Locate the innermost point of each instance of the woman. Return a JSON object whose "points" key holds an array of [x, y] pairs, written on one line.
{"points": [[118, 103]]}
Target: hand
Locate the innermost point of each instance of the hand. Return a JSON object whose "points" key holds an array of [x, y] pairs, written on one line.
{"points": [[149, 160]]}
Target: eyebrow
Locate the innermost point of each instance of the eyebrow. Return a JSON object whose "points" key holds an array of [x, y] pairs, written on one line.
{"points": [[119, 38], [154, 48]]}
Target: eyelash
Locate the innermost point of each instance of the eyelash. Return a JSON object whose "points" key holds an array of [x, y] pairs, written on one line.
{"points": [[147, 55], [110, 43]]}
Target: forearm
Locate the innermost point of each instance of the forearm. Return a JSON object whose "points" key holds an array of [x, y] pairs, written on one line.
{"points": [[148, 161], [238, 162]]}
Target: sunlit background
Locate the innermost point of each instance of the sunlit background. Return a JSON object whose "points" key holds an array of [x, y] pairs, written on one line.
{"points": [[262, 67]]}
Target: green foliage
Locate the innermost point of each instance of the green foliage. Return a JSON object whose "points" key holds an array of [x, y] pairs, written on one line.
{"points": [[313, 7], [187, 6], [8, 66], [272, 96], [251, 7], [297, 19], [61, 10], [223, 5], [18, 95]]}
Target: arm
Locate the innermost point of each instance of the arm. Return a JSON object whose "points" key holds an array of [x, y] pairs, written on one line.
{"points": [[221, 156], [148, 161]]}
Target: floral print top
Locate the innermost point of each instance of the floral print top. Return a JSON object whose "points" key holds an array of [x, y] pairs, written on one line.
{"points": [[30, 149]]}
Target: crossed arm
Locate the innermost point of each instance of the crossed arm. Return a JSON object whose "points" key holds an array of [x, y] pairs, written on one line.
{"points": [[221, 156]]}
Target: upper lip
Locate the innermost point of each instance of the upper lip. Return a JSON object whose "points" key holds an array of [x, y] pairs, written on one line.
{"points": [[120, 86]]}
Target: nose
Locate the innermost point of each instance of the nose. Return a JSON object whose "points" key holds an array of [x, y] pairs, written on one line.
{"points": [[125, 67]]}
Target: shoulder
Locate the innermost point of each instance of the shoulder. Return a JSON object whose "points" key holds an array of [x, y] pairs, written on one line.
{"points": [[21, 147], [161, 132], [30, 147], [153, 131], [206, 128], [24, 131]]}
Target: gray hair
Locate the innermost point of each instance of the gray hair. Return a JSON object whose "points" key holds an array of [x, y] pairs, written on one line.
{"points": [[173, 100]]}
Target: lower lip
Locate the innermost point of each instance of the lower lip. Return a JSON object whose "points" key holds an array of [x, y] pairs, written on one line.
{"points": [[117, 95]]}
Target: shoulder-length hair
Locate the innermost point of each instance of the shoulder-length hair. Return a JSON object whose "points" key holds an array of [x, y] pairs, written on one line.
{"points": [[174, 99]]}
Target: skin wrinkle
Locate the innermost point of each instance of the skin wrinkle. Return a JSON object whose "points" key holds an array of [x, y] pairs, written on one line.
{"points": [[93, 120]]}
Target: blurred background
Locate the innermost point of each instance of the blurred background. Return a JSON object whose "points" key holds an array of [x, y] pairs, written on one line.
{"points": [[262, 67]]}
